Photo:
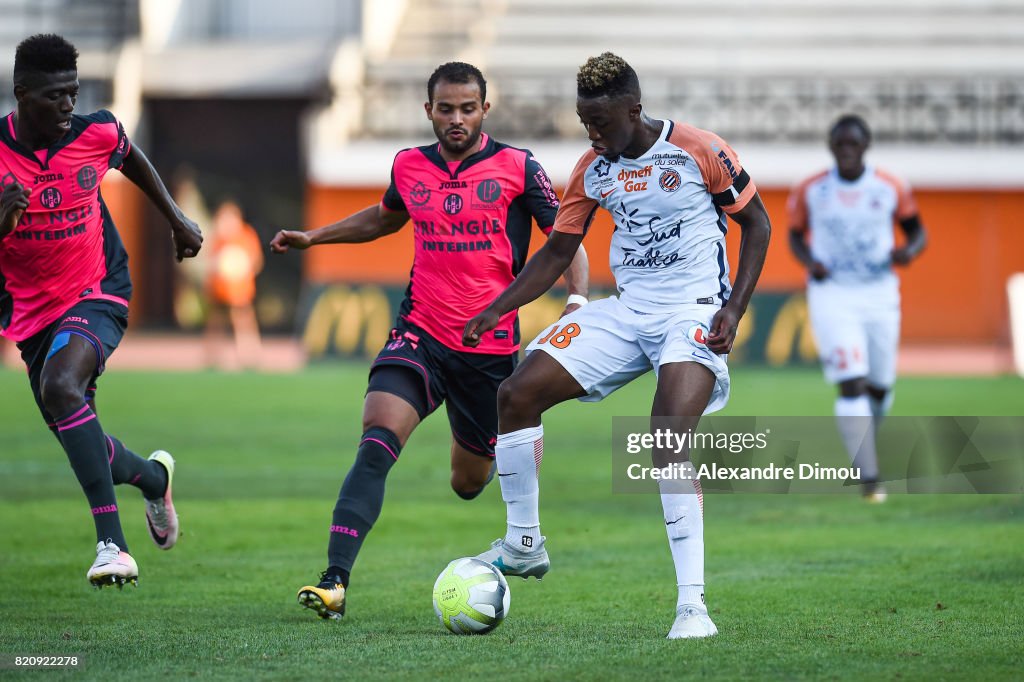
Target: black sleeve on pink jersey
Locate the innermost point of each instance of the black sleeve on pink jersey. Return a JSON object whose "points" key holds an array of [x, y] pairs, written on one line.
{"points": [[121, 146], [539, 194], [121, 150], [392, 199]]}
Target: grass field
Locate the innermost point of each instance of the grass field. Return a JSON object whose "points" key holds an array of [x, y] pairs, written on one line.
{"points": [[801, 587]]}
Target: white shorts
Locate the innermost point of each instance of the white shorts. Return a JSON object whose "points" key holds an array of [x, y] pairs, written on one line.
{"points": [[604, 345], [857, 330]]}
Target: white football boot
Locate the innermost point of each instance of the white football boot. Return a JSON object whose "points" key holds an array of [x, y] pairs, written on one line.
{"points": [[691, 623], [511, 561], [112, 567]]}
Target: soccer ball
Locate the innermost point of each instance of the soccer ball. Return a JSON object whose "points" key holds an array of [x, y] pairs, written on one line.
{"points": [[471, 597]]}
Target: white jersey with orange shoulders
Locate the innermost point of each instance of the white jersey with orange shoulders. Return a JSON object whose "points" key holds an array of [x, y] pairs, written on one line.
{"points": [[851, 222], [669, 208]]}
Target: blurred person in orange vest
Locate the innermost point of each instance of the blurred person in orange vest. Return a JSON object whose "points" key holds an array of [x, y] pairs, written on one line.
{"points": [[237, 258]]}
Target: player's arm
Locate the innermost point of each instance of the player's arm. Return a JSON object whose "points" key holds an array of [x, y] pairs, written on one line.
{"points": [[577, 281], [755, 232], [366, 225], [802, 252], [13, 202], [916, 241], [188, 239], [541, 271]]}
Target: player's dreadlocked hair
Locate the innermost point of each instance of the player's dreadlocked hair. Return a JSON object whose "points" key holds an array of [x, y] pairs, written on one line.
{"points": [[850, 120], [456, 72], [608, 75], [44, 53]]}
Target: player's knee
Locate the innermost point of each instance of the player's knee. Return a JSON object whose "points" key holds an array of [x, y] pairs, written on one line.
{"points": [[378, 451], [514, 400], [60, 394], [853, 388], [467, 486]]}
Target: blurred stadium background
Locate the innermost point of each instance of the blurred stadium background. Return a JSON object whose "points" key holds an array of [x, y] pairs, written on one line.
{"points": [[295, 111]]}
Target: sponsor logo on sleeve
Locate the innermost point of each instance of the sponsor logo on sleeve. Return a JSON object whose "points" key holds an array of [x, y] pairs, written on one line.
{"points": [[544, 182]]}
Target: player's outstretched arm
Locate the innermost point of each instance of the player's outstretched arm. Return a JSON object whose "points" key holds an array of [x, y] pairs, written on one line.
{"points": [[188, 238], [756, 230], [366, 225], [13, 202], [916, 241], [540, 273]]}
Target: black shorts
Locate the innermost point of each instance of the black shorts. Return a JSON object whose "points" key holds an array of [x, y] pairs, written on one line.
{"points": [[468, 382], [101, 323]]}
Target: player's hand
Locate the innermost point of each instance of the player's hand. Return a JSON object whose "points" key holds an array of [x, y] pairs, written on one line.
{"points": [[187, 237], [290, 239], [901, 256], [818, 271], [723, 330], [13, 202], [478, 326]]}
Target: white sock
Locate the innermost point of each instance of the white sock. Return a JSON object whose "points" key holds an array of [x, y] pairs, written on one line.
{"points": [[880, 408], [519, 454], [856, 426], [683, 504]]}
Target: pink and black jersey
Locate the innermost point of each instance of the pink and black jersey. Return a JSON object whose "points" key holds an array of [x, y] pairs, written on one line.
{"points": [[472, 231], [65, 248]]}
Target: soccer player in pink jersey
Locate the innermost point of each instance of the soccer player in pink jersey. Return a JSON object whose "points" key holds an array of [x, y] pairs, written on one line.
{"points": [[841, 229], [471, 200], [669, 188], [64, 285]]}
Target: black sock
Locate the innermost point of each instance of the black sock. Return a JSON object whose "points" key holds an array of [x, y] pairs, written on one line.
{"points": [[361, 497], [337, 574], [86, 447], [145, 474]]}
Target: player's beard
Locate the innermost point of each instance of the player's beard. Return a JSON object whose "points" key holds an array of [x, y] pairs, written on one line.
{"points": [[468, 142]]}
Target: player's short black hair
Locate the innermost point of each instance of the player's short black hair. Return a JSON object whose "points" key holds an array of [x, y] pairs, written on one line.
{"points": [[850, 120], [456, 72], [44, 53], [607, 75]]}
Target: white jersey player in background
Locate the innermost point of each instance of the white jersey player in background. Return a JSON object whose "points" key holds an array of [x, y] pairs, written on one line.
{"points": [[841, 229], [668, 187]]}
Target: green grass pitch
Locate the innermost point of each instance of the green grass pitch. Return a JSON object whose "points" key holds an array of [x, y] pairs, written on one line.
{"points": [[801, 587]]}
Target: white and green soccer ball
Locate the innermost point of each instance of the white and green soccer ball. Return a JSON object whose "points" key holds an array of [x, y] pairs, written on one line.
{"points": [[471, 597]]}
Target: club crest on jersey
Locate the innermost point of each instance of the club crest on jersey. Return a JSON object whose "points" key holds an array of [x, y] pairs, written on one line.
{"points": [[670, 180], [419, 194], [602, 167], [699, 334], [452, 204], [51, 197]]}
